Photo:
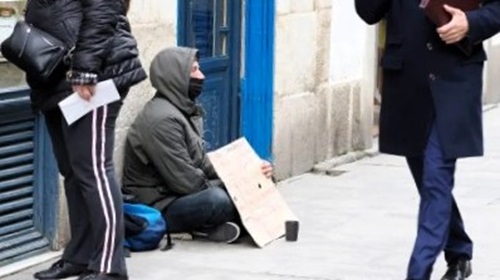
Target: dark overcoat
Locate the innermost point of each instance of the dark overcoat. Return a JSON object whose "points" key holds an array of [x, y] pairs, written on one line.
{"points": [[426, 81]]}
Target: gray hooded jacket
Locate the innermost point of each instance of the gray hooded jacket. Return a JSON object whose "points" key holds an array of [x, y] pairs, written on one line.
{"points": [[164, 154]]}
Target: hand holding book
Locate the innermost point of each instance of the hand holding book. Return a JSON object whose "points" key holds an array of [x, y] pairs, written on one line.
{"points": [[449, 16], [434, 9]]}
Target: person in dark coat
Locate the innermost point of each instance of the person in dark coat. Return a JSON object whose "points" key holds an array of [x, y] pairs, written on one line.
{"points": [[432, 115], [103, 48], [166, 165]]}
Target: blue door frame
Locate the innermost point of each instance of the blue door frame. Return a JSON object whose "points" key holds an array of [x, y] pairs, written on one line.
{"points": [[254, 120], [258, 83]]}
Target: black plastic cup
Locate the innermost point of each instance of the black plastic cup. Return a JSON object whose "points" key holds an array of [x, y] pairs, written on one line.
{"points": [[291, 230]]}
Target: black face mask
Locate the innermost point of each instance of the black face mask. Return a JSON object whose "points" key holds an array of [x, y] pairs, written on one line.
{"points": [[195, 88]]}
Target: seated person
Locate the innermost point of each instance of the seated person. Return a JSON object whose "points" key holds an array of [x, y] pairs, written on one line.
{"points": [[165, 164]]}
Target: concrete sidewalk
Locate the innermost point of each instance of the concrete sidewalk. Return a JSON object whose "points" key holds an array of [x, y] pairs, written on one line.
{"points": [[358, 225]]}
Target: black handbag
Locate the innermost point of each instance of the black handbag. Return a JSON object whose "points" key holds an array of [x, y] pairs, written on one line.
{"points": [[34, 51]]}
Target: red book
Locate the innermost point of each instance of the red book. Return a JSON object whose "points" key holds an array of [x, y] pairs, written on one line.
{"points": [[439, 16]]}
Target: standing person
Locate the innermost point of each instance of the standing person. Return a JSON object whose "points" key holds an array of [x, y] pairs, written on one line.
{"points": [[166, 165], [103, 49], [431, 114]]}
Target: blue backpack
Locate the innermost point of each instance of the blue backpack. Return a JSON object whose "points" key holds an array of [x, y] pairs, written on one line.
{"points": [[144, 227]]}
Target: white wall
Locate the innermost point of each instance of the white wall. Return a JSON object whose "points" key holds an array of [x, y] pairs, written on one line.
{"points": [[492, 71], [348, 43]]}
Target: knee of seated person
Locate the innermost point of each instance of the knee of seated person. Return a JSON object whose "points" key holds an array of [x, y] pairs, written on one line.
{"points": [[218, 197]]}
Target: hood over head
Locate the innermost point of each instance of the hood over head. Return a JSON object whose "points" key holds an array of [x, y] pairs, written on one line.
{"points": [[170, 73]]}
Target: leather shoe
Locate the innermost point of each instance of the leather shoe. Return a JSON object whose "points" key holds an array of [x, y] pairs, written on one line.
{"points": [[60, 270], [459, 270], [85, 274], [103, 276]]}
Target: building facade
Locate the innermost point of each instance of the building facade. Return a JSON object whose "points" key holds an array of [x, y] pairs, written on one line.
{"points": [[297, 78]]}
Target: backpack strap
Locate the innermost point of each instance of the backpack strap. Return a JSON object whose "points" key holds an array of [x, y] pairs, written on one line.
{"points": [[126, 252], [169, 244]]}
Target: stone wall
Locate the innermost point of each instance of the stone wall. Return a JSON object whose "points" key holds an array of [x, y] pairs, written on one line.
{"points": [[321, 110]]}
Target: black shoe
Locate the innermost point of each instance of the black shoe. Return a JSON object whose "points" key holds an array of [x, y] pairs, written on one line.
{"points": [[85, 274], [227, 233], [60, 270], [459, 270], [103, 276]]}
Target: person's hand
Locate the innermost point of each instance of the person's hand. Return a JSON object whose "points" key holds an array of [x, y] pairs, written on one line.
{"points": [[267, 169], [85, 91], [455, 30]]}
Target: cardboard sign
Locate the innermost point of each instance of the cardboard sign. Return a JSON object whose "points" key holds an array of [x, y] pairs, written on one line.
{"points": [[262, 209]]}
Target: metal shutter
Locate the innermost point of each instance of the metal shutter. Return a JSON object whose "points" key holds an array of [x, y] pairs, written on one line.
{"points": [[18, 236]]}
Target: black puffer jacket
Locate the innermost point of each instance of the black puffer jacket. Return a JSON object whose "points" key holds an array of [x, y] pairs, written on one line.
{"points": [[100, 32]]}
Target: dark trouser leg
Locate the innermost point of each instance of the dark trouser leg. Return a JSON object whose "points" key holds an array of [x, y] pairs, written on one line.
{"points": [[79, 248], [459, 245], [89, 144], [203, 210], [436, 207]]}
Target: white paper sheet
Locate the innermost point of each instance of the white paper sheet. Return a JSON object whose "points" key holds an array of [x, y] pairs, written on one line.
{"points": [[74, 107]]}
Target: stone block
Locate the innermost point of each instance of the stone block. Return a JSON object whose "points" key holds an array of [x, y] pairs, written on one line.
{"points": [[305, 132], [282, 140], [296, 128], [340, 118], [323, 42], [283, 7], [295, 57], [492, 83], [322, 4], [301, 6], [153, 12], [357, 125], [323, 125]]}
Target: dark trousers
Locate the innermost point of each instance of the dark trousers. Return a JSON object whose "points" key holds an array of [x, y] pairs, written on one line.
{"points": [[84, 153], [199, 211], [440, 226]]}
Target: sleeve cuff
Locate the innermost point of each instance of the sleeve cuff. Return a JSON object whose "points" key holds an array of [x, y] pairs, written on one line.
{"points": [[473, 34], [82, 78]]}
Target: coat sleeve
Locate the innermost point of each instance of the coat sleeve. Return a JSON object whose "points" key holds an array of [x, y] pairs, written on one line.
{"points": [[484, 22], [372, 11], [169, 154], [208, 168], [99, 20]]}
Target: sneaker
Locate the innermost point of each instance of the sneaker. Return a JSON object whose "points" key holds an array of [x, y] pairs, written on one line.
{"points": [[225, 233]]}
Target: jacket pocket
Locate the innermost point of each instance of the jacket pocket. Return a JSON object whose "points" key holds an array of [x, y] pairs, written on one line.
{"points": [[391, 59], [478, 57]]}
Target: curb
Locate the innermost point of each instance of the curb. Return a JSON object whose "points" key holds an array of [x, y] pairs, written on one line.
{"points": [[328, 166]]}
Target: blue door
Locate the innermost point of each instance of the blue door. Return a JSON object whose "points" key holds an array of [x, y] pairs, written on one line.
{"points": [[214, 27]]}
